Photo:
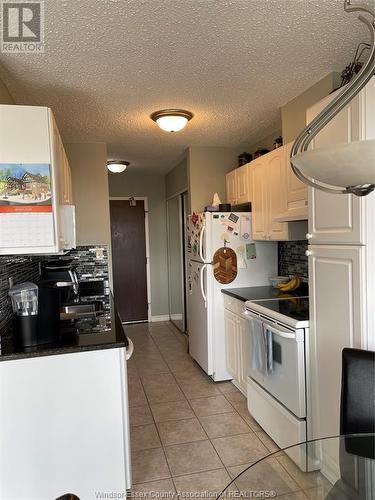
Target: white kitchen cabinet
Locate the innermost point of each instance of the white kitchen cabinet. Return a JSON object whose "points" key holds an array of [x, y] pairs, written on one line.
{"points": [[243, 353], [341, 275], [296, 193], [340, 219], [238, 188], [243, 194], [277, 203], [338, 319], [259, 202], [36, 206], [236, 344], [269, 199], [231, 342], [231, 188], [64, 425]]}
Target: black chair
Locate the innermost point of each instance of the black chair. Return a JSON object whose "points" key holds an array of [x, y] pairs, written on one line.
{"points": [[357, 414]]}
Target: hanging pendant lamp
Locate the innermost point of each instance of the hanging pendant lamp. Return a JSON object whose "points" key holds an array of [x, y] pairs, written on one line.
{"points": [[347, 168]]}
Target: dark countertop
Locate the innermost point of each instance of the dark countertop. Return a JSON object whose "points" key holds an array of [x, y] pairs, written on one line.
{"points": [[263, 292], [108, 336]]}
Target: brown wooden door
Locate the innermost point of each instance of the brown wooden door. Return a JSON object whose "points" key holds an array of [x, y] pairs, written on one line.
{"points": [[129, 259]]}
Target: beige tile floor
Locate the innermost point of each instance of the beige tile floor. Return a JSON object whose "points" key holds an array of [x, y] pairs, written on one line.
{"points": [[190, 435]]}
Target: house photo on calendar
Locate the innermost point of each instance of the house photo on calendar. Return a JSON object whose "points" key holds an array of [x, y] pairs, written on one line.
{"points": [[25, 184]]}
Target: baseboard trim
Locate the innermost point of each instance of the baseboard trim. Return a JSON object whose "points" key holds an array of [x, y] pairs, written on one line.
{"points": [[157, 319], [176, 317]]}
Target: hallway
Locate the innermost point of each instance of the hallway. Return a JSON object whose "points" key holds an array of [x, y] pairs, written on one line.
{"points": [[191, 435]]}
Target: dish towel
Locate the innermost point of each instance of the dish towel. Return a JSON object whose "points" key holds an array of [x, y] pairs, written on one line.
{"points": [[262, 354]]}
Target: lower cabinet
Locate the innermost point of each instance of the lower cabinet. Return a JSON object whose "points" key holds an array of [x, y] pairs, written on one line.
{"points": [[337, 305], [236, 344]]}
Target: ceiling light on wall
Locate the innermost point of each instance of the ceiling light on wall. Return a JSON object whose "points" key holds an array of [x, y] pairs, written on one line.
{"points": [[117, 166], [172, 120]]}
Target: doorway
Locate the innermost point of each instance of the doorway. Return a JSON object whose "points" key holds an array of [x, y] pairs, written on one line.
{"points": [[130, 258], [176, 217]]}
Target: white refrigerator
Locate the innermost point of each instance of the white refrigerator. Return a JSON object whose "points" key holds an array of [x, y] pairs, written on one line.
{"points": [[256, 263]]}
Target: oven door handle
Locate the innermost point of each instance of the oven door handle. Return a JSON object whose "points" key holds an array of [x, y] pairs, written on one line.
{"points": [[281, 332]]}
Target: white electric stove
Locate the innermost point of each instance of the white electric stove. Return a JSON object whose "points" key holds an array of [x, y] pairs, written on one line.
{"points": [[278, 394]]}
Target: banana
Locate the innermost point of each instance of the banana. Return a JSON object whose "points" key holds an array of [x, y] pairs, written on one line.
{"points": [[293, 284]]}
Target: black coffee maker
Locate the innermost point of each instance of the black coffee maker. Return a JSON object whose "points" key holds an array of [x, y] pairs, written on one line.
{"points": [[61, 272], [36, 310]]}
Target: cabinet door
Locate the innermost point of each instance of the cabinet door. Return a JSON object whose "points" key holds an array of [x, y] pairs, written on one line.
{"points": [[296, 191], [24, 134], [276, 184], [337, 320], [230, 181], [336, 219], [68, 195], [259, 199], [231, 343], [243, 184], [243, 354]]}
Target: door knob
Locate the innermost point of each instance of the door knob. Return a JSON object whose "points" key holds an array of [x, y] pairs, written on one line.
{"points": [[308, 253], [309, 236]]}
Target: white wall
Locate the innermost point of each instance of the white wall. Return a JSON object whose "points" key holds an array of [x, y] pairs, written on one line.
{"points": [[207, 167], [152, 187], [293, 114], [88, 162], [5, 97], [176, 180]]}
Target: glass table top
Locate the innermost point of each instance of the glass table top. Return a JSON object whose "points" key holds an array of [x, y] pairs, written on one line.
{"points": [[335, 468]]}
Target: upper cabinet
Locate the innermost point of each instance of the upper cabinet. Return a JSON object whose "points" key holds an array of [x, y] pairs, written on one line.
{"points": [[36, 206], [238, 188], [259, 202], [231, 189], [277, 196], [276, 193], [296, 193], [243, 193], [339, 219], [269, 188]]}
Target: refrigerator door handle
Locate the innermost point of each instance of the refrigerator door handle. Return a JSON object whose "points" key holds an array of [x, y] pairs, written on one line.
{"points": [[201, 242], [202, 285]]}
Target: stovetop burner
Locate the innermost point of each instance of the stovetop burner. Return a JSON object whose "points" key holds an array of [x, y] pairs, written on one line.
{"points": [[296, 308]]}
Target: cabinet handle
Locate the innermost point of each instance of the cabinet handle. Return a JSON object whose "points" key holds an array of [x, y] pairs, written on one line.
{"points": [[309, 236], [308, 253]]}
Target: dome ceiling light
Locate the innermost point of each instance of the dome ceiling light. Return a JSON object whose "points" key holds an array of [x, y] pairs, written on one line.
{"points": [[172, 120], [117, 166], [342, 168]]}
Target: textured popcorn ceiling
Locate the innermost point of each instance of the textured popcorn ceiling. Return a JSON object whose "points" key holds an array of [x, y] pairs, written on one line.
{"points": [[110, 63]]}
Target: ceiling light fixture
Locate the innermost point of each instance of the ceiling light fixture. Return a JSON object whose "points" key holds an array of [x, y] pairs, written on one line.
{"points": [[117, 166], [172, 120], [347, 168]]}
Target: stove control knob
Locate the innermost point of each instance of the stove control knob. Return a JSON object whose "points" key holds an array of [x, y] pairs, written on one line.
{"points": [[309, 236], [308, 253]]}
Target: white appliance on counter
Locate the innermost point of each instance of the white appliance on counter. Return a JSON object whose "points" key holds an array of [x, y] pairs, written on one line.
{"points": [[278, 396], [205, 234]]}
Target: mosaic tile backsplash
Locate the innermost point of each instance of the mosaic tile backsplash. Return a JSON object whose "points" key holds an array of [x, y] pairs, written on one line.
{"points": [[90, 263], [292, 259]]}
